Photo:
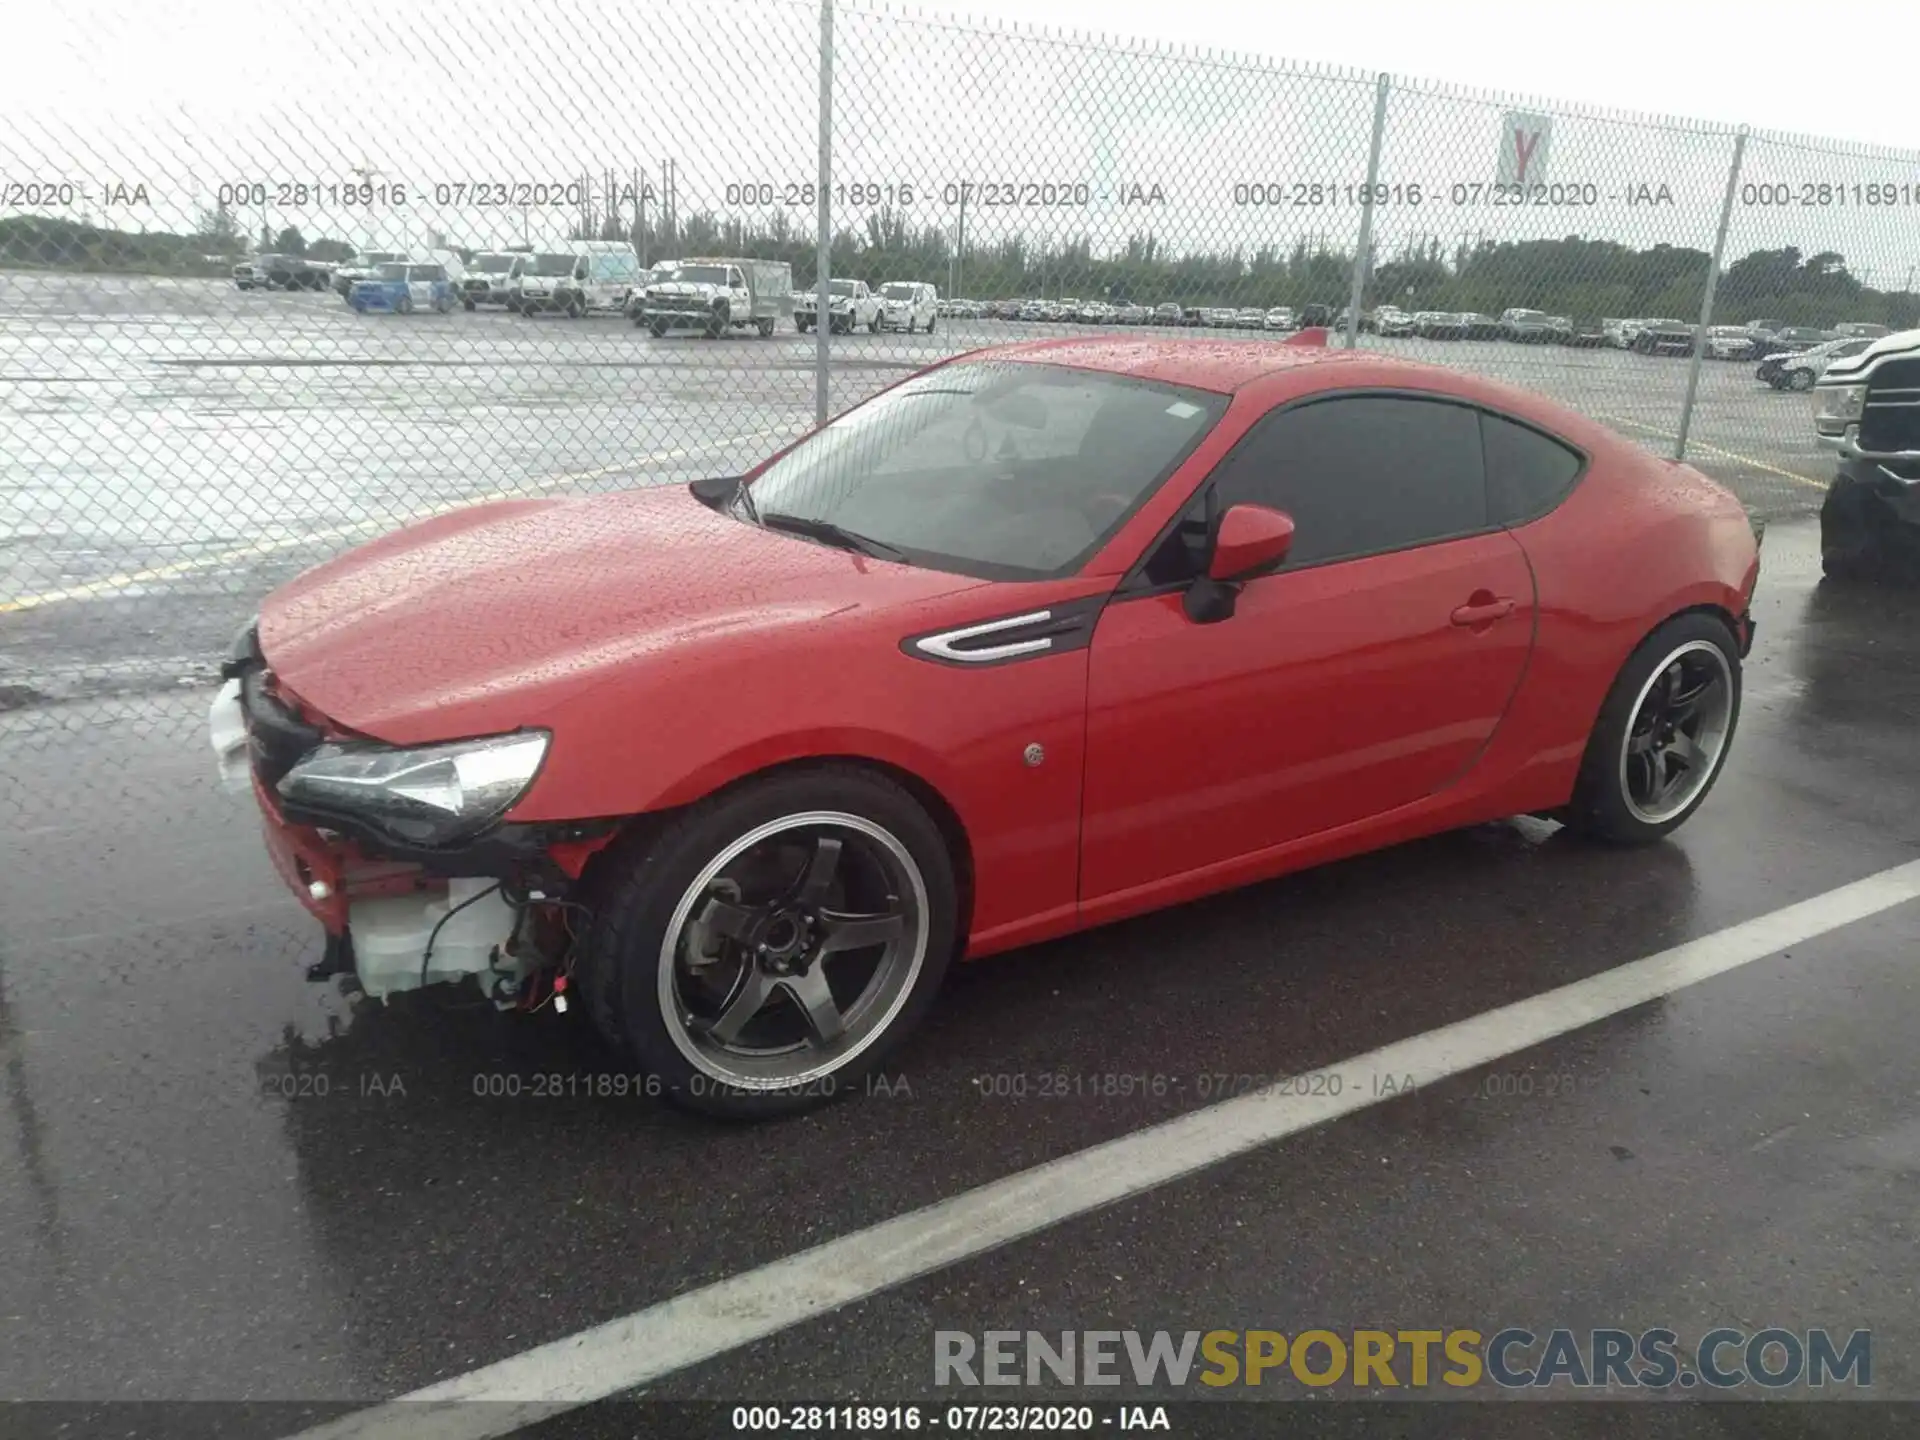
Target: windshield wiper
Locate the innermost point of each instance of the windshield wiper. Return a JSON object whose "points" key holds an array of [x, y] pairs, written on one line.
{"points": [[833, 534]]}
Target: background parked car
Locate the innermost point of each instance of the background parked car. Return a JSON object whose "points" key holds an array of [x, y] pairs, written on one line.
{"points": [[1788, 340], [1439, 325], [1585, 332], [1279, 318], [1314, 316], [1392, 320], [281, 272], [1345, 312], [1860, 330], [851, 306], [405, 288], [1168, 313], [490, 278], [364, 266], [1799, 371], [1664, 337], [1526, 327], [1729, 342]]}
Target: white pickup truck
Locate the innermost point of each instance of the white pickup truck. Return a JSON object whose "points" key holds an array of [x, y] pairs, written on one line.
{"points": [[851, 307]]}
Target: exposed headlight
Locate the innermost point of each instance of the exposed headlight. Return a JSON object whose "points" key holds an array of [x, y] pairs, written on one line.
{"points": [[1837, 406], [424, 795]]}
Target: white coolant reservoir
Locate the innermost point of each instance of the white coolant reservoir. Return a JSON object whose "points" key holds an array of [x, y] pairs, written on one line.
{"points": [[390, 935]]}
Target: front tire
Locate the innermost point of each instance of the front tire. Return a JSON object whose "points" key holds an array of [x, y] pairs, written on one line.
{"points": [[769, 947], [1662, 736], [1800, 380], [404, 305]]}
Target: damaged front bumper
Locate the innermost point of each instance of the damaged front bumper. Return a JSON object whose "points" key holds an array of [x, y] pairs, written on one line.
{"points": [[397, 916]]}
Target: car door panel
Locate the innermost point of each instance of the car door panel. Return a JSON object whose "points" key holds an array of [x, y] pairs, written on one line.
{"points": [[1333, 694]]}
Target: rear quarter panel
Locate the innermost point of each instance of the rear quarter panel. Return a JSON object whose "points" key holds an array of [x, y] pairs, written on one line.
{"points": [[1640, 540]]}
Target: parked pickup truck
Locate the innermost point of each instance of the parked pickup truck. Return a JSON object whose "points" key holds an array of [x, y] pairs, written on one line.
{"points": [[714, 296], [852, 306], [1867, 409]]}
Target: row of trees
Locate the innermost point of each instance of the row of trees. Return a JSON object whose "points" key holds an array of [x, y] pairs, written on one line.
{"points": [[1573, 276]]}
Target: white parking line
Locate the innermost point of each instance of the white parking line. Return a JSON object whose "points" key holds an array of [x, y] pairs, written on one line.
{"points": [[127, 580], [630, 1352]]}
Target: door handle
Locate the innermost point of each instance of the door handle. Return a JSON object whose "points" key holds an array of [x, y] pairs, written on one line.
{"points": [[1483, 609]]}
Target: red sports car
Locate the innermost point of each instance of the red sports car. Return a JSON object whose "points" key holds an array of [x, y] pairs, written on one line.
{"points": [[1041, 637]]}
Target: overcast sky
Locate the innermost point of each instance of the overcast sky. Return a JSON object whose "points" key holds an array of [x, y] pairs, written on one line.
{"points": [[184, 96]]}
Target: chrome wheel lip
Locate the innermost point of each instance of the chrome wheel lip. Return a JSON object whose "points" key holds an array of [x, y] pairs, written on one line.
{"points": [[1716, 729], [712, 1065]]}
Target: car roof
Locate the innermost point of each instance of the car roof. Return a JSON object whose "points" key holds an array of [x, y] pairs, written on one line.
{"points": [[1275, 374], [1225, 366]]}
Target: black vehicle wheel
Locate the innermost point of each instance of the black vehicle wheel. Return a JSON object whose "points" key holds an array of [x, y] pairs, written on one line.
{"points": [[469, 304], [873, 326], [770, 946], [1662, 735], [1855, 527], [404, 305], [1800, 379], [930, 324], [658, 329], [576, 307], [716, 323]]}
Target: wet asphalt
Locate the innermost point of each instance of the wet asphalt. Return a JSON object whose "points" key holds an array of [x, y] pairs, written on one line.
{"points": [[219, 1181]]}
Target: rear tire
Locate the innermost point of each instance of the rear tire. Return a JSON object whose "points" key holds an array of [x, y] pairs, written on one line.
{"points": [[1616, 798], [653, 894], [404, 305]]}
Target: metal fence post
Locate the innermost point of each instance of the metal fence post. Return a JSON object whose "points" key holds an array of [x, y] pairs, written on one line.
{"points": [[1366, 212], [1706, 300], [823, 240]]}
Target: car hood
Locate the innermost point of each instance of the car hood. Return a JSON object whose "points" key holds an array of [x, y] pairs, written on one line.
{"points": [[492, 617]]}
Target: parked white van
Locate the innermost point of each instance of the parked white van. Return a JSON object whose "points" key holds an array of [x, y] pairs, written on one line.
{"points": [[908, 305], [581, 277]]}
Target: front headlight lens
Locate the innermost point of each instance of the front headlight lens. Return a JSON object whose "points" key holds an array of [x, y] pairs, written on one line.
{"points": [[1837, 406], [426, 795]]}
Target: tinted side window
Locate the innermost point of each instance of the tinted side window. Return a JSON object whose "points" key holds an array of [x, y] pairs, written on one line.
{"points": [[1363, 474], [1527, 473]]}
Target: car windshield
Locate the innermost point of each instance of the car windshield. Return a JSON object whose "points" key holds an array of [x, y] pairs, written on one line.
{"points": [[702, 274], [1527, 315], [841, 287], [553, 264], [393, 272], [997, 469], [897, 291], [426, 272], [493, 264], [1729, 332]]}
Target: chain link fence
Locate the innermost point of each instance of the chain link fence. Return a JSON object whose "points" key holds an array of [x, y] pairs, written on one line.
{"points": [[273, 283]]}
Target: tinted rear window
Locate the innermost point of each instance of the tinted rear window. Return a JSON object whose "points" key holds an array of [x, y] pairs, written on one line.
{"points": [[1527, 473]]}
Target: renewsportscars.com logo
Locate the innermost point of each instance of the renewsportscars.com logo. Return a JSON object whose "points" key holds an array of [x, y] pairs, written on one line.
{"points": [[1513, 1358]]}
